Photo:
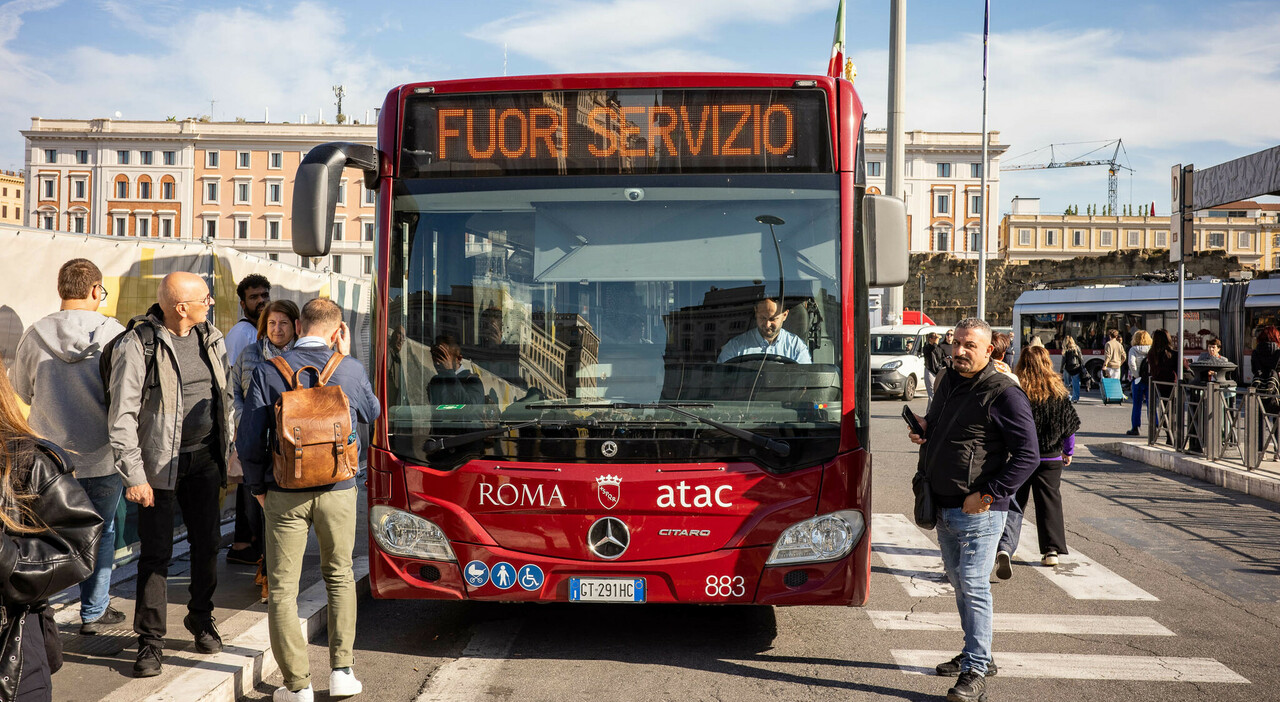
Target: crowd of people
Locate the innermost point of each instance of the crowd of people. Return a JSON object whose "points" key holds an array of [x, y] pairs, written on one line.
{"points": [[1150, 364], [165, 412]]}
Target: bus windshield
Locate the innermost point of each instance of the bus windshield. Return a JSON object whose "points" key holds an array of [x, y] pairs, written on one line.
{"points": [[582, 308]]}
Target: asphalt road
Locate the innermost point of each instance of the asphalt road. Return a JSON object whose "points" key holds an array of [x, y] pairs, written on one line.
{"points": [[1182, 575]]}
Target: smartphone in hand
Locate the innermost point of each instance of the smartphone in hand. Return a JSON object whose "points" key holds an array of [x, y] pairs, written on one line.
{"points": [[910, 418]]}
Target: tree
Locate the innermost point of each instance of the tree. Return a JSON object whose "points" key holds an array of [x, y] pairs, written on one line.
{"points": [[340, 93]]}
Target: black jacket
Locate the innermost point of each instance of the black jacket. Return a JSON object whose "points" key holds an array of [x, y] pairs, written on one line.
{"points": [[980, 438], [37, 565], [1263, 360], [935, 359], [1072, 361]]}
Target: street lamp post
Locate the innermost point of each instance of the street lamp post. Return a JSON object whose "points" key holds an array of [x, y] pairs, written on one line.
{"points": [[922, 297]]}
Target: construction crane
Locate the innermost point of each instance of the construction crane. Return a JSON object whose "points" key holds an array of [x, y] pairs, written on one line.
{"points": [[1113, 164]]}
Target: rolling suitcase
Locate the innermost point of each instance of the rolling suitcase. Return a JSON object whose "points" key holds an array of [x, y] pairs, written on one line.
{"points": [[1111, 391]]}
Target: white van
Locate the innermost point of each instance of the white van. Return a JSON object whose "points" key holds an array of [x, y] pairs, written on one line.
{"points": [[897, 368]]}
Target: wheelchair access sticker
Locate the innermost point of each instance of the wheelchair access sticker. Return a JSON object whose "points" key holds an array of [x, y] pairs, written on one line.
{"points": [[530, 577]]}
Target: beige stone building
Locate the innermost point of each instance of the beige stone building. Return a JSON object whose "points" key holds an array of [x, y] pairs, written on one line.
{"points": [[12, 184], [1248, 230], [942, 186], [227, 181]]}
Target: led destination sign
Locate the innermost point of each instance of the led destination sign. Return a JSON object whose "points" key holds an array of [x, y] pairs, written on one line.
{"points": [[616, 131]]}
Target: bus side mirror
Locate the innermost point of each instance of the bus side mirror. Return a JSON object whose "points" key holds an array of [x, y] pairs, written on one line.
{"points": [[884, 231], [315, 191]]}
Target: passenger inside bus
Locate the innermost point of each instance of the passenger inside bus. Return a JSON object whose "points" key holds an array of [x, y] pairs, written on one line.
{"points": [[452, 384], [767, 337]]}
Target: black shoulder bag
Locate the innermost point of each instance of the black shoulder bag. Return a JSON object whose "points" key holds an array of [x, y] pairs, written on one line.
{"points": [[926, 513]]}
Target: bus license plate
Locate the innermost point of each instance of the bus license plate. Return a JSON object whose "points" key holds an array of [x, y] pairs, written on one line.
{"points": [[606, 589]]}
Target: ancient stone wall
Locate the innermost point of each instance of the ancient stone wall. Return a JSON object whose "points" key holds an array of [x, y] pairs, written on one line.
{"points": [[950, 285]]}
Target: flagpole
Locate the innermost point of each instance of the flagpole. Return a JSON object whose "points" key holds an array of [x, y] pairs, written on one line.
{"points": [[982, 213]]}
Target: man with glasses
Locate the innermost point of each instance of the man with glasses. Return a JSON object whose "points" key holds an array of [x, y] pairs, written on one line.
{"points": [[170, 426], [254, 291], [55, 370]]}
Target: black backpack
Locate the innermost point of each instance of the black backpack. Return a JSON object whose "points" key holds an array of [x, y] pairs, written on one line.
{"points": [[147, 334]]}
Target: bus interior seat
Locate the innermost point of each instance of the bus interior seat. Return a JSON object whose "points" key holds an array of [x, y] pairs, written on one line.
{"points": [[453, 390], [798, 321]]}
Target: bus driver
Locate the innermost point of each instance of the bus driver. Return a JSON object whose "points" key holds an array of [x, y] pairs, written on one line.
{"points": [[767, 337]]}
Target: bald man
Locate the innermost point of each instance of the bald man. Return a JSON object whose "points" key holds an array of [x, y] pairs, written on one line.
{"points": [[170, 428]]}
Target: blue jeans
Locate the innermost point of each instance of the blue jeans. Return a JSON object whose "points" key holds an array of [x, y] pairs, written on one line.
{"points": [[95, 591], [968, 544], [1075, 386], [1139, 396]]}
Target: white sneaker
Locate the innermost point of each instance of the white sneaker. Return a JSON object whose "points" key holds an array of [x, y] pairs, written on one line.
{"points": [[284, 694], [1004, 565], [1049, 559], [343, 683]]}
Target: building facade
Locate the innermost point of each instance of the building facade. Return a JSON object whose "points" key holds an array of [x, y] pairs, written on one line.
{"points": [[942, 186], [12, 185], [230, 182], [1246, 230]]}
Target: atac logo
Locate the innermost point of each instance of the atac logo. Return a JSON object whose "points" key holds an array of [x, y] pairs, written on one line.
{"points": [[609, 490]]}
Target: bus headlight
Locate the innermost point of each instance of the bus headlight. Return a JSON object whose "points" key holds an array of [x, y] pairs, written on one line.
{"points": [[827, 537], [403, 534], [892, 365]]}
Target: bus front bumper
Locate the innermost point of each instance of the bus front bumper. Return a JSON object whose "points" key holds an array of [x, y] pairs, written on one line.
{"points": [[729, 576]]}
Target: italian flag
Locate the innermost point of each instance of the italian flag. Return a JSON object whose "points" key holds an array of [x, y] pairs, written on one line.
{"points": [[836, 67]]}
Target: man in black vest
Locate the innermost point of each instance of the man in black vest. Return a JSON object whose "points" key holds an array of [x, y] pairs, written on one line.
{"points": [[979, 447]]}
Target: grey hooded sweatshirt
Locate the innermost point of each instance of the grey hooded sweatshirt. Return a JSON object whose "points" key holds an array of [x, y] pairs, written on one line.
{"points": [[55, 370]]}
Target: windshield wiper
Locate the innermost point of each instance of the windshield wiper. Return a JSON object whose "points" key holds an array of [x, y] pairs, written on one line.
{"points": [[782, 448], [455, 440], [617, 405]]}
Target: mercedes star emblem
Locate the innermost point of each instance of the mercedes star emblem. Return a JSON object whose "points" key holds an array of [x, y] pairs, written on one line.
{"points": [[609, 449], [608, 538]]}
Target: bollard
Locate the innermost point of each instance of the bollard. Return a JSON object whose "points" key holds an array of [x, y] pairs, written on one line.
{"points": [[1252, 432]]}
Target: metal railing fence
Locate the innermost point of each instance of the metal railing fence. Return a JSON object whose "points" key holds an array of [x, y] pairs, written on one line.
{"points": [[1220, 423]]}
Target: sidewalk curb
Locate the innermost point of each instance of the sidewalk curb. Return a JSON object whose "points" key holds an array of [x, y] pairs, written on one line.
{"points": [[246, 660], [1257, 484]]}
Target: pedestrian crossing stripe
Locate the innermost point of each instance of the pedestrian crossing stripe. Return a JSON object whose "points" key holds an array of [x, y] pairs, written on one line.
{"points": [[915, 561], [910, 555], [1074, 666], [1009, 623], [1078, 575]]}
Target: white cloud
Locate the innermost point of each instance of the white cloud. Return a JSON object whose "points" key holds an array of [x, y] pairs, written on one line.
{"points": [[631, 35], [246, 60], [1166, 94]]}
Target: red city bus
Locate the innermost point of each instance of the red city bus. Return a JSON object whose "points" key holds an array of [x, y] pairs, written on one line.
{"points": [[577, 402]]}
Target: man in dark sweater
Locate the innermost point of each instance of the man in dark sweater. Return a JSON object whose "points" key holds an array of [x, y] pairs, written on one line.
{"points": [[290, 514], [979, 447]]}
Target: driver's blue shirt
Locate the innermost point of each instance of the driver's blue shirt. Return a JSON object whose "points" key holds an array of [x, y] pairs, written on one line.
{"points": [[751, 341]]}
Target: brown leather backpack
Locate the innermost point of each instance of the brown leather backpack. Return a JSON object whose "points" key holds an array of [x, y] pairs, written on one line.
{"points": [[315, 442]]}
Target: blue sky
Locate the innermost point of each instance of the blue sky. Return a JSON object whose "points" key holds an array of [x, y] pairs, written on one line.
{"points": [[1179, 81]]}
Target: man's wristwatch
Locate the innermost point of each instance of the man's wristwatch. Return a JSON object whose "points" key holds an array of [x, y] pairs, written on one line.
{"points": [[987, 500]]}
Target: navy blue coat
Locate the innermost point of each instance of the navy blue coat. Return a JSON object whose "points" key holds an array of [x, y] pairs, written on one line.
{"points": [[258, 419]]}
